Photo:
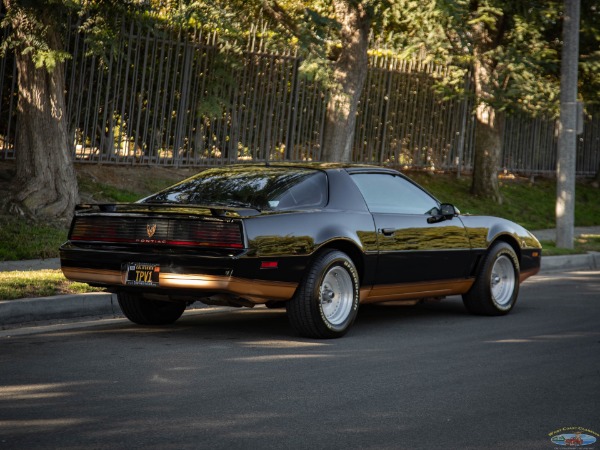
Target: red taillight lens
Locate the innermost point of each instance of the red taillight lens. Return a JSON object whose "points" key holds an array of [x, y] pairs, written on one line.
{"points": [[178, 232], [218, 234], [86, 229]]}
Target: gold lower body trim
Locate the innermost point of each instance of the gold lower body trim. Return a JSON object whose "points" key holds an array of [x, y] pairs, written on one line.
{"points": [[257, 291], [411, 291], [93, 275]]}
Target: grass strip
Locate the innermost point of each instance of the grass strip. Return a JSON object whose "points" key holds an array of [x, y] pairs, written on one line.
{"points": [[39, 283], [583, 244], [20, 239]]}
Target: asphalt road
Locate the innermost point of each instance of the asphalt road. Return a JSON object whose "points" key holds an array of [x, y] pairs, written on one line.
{"points": [[423, 377]]}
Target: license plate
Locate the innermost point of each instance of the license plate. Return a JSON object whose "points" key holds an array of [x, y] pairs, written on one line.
{"points": [[142, 274]]}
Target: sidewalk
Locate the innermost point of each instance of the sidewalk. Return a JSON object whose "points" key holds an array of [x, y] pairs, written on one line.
{"points": [[30, 264], [105, 304]]}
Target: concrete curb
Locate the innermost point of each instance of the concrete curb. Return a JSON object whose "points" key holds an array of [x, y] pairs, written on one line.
{"points": [[58, 307], [29, 310], [589, 261]]}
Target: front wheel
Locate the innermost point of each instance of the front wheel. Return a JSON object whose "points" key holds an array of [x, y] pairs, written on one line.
{"points": [[496, 288], [326, 302], [149, 312]]}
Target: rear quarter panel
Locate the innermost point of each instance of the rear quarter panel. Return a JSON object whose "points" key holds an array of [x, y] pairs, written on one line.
{"points": [[292, 239]]}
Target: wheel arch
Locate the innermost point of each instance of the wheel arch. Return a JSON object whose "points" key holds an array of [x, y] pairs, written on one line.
{"points": [[349, 248], [507, 239], [510, 240]]}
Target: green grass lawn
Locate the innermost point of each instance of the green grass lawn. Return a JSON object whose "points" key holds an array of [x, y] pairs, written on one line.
{"points": [[38, 283], [529, 204], [20, 239]]}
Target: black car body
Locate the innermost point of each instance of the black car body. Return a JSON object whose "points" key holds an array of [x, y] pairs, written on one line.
{"points": [[318, 239]]}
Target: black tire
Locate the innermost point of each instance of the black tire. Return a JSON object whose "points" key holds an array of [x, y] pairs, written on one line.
{"points": [[496, 288], [326, 302], [149, 312]]}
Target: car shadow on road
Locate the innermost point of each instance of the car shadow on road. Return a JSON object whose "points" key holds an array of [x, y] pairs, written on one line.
{"points": [[264, 322], [229, 324]]}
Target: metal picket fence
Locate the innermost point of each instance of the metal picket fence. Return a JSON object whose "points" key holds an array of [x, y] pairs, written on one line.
{"points": [[175, 99]]}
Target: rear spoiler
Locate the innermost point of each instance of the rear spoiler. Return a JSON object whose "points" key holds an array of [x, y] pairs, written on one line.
{"points": [[168, 208]]}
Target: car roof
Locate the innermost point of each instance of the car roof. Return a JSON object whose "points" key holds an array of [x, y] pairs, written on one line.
{"points": [[325, 166]]}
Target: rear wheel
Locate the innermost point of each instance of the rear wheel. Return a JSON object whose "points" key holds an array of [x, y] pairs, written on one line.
{"points": [[496, 288], [326, 302], [149, 312]]}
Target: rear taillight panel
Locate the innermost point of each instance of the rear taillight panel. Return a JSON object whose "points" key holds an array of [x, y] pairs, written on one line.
{"points": [[158, 231]]}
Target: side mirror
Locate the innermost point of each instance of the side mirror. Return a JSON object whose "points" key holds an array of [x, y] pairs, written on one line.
{"points": [[446, 211]]}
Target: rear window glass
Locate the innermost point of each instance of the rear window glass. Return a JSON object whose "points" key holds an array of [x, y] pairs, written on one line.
{"points": [[262, 188]]}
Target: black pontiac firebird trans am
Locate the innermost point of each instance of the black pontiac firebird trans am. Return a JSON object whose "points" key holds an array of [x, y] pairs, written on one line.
{"points": [[316, 239]]}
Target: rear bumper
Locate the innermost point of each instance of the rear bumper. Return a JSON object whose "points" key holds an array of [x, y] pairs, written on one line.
{"points": [[190, 274], [256, 291]]}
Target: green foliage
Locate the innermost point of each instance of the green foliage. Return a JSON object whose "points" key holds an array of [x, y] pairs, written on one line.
{"points": [[35, 30], [525, 37], [39, 27], [48, 59], [589, 51], [314, 29], [521, 40]]}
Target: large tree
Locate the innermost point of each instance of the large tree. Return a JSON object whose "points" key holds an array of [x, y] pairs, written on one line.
{"points": [[511, 49], [503, 45], [45, 186], [350, 65], [334, 37]]}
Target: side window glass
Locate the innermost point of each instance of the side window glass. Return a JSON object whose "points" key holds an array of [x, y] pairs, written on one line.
{"points": [[311, 192], [387, 193]]}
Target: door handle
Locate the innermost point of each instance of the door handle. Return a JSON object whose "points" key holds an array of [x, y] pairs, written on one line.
{"points": [[387, 231]]}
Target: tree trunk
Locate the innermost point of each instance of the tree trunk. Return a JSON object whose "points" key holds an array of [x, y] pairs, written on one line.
{"points": [[349, 74], [487, 149], [45, 184], [489, 124]]}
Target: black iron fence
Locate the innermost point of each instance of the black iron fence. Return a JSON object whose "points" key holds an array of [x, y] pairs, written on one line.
{"points": [[179, 101]]}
